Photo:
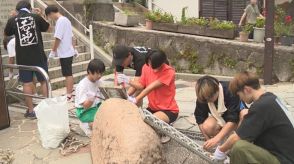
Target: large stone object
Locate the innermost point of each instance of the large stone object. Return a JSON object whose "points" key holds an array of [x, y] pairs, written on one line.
{"points": [[121, 136]]}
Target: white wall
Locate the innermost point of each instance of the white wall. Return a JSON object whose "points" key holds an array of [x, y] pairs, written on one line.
{"points": [[175, 7]]}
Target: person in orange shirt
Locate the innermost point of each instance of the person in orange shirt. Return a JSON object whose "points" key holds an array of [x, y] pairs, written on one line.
{"points": [[158, 84]]}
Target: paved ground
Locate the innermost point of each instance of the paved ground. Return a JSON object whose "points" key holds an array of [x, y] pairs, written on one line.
{"points": [[23, 138]]}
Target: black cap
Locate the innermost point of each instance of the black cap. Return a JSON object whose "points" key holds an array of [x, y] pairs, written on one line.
{"points": [[120, 53]]}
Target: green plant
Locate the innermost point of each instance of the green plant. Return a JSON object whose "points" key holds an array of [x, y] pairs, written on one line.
{"points": [[129, 12], [279, 14], [221, 25], [150, 16], [287, 30], [248, 28], [158, 16], [108, 71], [191, 55], [183, 18], [260, 23], [229, 62], [278, 26], [167, 18], [196, 21]]}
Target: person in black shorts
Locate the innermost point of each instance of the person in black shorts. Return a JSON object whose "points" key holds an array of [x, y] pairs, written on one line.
{"points": [[266, 133], [27, 28], [129, 57], [63, 46]]}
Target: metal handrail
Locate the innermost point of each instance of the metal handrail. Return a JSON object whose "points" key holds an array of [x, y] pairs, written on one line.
{"points": [[90, 29], [72, 16], [32, 68]]}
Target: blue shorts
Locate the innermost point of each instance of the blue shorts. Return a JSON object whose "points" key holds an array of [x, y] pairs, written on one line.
{"points": [[27, 76]]}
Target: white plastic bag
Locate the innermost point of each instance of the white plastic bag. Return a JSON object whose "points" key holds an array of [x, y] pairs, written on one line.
{"points": [[53, 121]]}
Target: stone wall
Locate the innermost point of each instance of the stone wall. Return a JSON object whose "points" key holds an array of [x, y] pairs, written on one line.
{"points": [[90, 11], [5, 7], [197, 54]]}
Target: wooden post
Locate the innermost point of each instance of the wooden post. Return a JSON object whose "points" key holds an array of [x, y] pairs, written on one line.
{"points": [[269, 41], [4, 114]]}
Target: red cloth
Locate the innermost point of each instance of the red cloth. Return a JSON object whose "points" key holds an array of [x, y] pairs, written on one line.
{"points": [[162, 98]]}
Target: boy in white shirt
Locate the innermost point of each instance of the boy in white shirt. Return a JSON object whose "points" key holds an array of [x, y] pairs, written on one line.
{"points": [[63, 46], [88, 96]]}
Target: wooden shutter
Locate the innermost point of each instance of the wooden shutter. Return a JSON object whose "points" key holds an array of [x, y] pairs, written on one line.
{"points": [[221, 9], [237, 9], [207, 8], [214, 8]]}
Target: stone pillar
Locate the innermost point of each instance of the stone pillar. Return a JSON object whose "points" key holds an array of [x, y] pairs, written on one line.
{"points": [[4, 114]]}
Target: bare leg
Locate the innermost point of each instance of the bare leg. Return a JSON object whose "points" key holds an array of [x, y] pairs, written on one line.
{"points": [[35, 81], [11, 61], [210, 127], [28, 89], [69, 82], [162, 116], [44, 88]]}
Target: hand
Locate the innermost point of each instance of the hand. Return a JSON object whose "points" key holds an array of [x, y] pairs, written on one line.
{"points": [[53, 54], [37, 11], [219, 155], [132, 99], [210, 143], [76, 53], [91, 96], [13, 13], [240, 25], [123, 79]]}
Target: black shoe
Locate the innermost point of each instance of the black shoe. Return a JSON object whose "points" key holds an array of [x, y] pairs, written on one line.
{"points": [[31, 115], [26, 114]]}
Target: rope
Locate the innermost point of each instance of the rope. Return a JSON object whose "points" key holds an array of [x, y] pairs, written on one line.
{"points": [[71, 145], [6, 156]]}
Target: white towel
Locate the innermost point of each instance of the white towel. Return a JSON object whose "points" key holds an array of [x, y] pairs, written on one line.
{"points": [[217, 113]]}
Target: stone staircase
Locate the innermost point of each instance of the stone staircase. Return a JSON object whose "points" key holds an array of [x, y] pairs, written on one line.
{"points": [[57, 81], [79, 63]]}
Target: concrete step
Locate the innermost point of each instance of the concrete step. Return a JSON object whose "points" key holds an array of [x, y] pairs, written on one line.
{"points": [[80, 48], [47, 45], [60, 83], [76, 68], [86, 56], [55, 62], [47, 36]]}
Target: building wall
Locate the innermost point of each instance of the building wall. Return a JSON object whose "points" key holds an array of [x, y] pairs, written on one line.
{"points": [[175, 7]]}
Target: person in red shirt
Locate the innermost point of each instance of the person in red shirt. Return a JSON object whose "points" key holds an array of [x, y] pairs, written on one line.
{"points": [[158, 84]]}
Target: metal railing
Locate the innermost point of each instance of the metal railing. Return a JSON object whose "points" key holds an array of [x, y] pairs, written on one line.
{"points": [[30, 68], [90, 29]]}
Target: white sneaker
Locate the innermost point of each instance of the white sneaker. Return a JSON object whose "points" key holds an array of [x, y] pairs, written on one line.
{"points": [[164, 139], [86, 129]]}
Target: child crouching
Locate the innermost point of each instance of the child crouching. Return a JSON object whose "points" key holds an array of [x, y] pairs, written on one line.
{"points": [[88, 96]]}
